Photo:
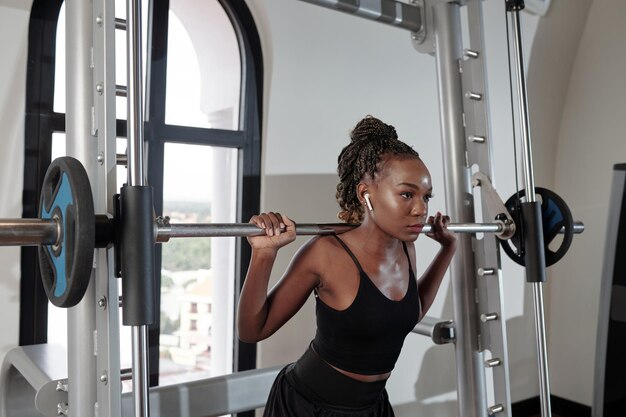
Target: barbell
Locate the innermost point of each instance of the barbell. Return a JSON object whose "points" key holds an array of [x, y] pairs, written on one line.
{"points": [[36, 232], [67, 230]]}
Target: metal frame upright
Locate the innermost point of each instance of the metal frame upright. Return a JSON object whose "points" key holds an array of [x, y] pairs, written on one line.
{"points": [[107, 351], [471, 384], [475, 272], [94, 380], [82, 144]]}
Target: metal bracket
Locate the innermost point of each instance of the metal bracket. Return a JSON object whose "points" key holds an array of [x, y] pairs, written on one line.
{"points": [[441, 332], [495, 207], [444, 332], [424, 39], [63, 409], [38, 370]]}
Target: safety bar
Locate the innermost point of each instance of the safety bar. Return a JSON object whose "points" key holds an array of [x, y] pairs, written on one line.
{"points": [[441, 332]]}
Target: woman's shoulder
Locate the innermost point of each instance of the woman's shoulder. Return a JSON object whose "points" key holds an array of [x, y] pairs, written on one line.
{"points": [[318, 251], [319, 245], [313, 256]]}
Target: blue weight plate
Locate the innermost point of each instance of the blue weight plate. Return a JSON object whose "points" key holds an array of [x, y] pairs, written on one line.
{"points": [[66, 266]]}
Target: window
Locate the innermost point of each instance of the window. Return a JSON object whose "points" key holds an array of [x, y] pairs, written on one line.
{"points": [[203, 85], [199, 186], [202, 129]]}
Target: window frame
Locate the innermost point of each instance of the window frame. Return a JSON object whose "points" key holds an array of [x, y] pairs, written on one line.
{"points": [[41, 122]]}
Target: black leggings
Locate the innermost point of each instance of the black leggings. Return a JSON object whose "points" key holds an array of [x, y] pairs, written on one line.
{"points": [[310, 387]]}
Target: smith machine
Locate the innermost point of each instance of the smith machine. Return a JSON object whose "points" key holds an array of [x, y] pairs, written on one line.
{"points": [[82, 253]]}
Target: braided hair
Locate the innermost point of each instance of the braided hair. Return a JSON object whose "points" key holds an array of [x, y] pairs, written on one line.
{"points": [[371, 139]]}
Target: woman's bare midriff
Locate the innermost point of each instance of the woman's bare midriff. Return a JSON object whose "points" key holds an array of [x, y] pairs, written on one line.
{"points": [[358, 377], [364, 378]]}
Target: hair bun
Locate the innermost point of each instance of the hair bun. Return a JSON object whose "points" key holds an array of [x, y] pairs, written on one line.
{"points": [[371, 128]]}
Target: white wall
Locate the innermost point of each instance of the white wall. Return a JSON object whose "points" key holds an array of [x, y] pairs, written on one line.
{"points": [[590, 140], [550, 68], [14, 16]]}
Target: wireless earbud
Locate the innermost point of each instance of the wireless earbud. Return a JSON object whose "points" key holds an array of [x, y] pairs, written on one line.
{"points": [[368, 202]]}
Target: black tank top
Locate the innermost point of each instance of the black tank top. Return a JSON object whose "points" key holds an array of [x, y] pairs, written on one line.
{"points": [[366, 338]]}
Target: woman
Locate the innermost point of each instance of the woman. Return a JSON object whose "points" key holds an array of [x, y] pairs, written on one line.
{"points": [[367, 295]]}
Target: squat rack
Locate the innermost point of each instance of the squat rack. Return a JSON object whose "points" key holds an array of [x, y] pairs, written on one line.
{"points": [[477, 326]]}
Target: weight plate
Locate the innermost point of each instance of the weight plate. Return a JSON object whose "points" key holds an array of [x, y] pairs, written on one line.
{"points": [[555, 215], [66, 266]]}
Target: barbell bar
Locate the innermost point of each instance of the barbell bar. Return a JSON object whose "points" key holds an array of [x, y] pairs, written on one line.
{"points": [[29, 232], [37, 232]]}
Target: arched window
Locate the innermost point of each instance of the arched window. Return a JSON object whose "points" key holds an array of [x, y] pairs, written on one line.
{"points": [[203, 115]]}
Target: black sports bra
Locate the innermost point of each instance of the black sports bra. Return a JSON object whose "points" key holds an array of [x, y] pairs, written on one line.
{"points": [[366, 338]]}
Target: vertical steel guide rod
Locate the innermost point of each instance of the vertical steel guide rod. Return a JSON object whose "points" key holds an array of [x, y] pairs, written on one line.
{"points": [[136, 178], [529, 176]]}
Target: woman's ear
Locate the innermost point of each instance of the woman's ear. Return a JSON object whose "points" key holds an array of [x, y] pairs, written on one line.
{"points": [[364, 196]]}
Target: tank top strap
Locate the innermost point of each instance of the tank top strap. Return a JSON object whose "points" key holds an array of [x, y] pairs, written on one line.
{"points": [[408, 258], [354, 259]]}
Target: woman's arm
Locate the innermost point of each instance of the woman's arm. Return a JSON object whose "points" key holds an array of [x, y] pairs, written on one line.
{"points": [[260, 313], [430, 281]]}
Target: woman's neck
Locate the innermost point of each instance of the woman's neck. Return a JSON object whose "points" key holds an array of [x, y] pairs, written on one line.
{"points": [[374, 242]]}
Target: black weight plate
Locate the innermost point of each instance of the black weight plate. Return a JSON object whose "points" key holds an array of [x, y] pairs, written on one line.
{"points": [[66, 267], [555, 215]]}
